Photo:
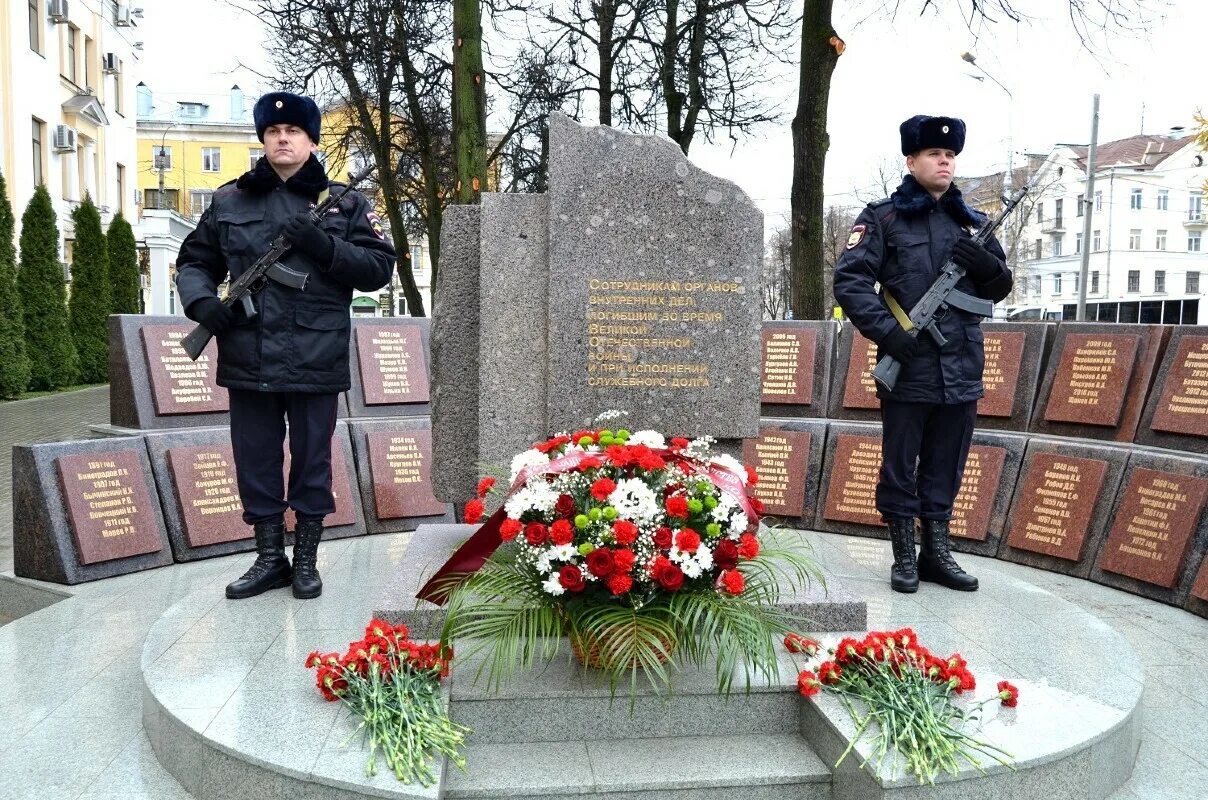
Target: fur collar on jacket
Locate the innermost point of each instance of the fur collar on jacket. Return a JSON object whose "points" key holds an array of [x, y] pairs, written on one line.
{"points": [[912, 198], [309, 180]]}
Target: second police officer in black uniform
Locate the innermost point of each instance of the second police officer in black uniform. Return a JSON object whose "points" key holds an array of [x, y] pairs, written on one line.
{"points": [[896, 249], [290, 361]]}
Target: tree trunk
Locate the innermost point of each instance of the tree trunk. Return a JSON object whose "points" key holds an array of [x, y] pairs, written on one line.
{"points": [[608, 22], [469, 113], [820, 50], [672, 98]]}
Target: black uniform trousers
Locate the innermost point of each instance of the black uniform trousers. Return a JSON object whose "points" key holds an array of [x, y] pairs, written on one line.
{"points": [[258, 426], [923, 452]]}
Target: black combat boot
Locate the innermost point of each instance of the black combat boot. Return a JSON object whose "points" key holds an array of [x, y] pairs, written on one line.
{"points": [[904, 576], [271, 570], [307, 583], [936, 563]]}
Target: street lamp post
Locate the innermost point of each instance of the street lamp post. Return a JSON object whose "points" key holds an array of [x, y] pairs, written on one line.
{"points": [[160, 163], [971, 59]]}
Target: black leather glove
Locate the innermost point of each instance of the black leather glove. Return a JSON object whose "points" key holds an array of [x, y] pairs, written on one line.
{"points": [[211, 312], [901, 345], [977, 262], [306, 237]]}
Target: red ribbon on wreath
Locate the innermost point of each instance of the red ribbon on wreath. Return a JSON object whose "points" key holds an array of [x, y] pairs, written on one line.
{"points": [[486, 540]]}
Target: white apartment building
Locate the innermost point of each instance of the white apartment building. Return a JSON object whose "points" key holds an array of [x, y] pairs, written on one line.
{"points": [[1148, 259], [67, 105]]}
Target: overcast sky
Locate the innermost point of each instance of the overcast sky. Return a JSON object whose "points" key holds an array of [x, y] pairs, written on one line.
{"points": [[892, 69]]}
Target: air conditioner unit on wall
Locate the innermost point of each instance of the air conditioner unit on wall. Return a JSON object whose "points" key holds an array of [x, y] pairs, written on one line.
{"points": [[109, 63], [57, 11], [64, 140], [122, 17]]}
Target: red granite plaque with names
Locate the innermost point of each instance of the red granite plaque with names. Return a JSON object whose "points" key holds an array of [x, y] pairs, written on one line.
{"points": [[979, 487], [1200, 587], [788, 365], [210, 509], [392, 364], [1004, 354], [401, 465], [860, 391], [1154, 526], [1092, 379], [180, 385], [852, 493], [1054, 508], [1183, 405], [779, 458], [341, 490], [108, 505]]}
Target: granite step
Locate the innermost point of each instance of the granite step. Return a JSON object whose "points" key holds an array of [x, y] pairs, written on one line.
{"points": [[754, 767]]}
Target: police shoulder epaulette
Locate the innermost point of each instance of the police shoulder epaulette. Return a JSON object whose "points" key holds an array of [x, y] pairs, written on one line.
{"points": [[227, 187]]}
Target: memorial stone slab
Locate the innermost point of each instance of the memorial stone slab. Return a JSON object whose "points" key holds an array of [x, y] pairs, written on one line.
{"points": [[1061, 509], [1014, 354], [85, 510], [389, 367], [979, 515], [153, 385], [455, 369], [1197, 600], [1176, 415], [850, 470], [1159, 530], [853, 393], [787, 457], [796, 368], [394, 464], [654, 287], [1097, 379]]}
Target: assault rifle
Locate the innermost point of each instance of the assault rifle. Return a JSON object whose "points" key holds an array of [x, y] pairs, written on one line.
{"points": [[267, 268], [942, 295]]}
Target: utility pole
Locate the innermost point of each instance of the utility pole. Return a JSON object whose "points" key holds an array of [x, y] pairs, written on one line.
{"points": [[1088, 201]]}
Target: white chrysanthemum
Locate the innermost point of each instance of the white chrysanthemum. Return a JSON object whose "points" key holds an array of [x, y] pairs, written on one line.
{"points": [[691, 569], [726, 505], [553, 586], [566, 552], [704, 558], [634, 500], [727, 461], [739, 521], [652, 439], [534, 496], [543, 563], [529, 458]]}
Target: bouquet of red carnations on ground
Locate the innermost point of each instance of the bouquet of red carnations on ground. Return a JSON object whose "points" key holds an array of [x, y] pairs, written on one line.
{"points": [[393, 685], [909, 694], [640, 549]]}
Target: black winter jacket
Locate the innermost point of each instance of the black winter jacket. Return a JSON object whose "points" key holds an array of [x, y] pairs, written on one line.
{"points": [[298, 340], [901, 243]]}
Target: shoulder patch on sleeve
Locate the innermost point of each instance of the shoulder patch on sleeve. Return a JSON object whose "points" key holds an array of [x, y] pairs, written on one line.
{"points": [[856, 236], [375, 222]]}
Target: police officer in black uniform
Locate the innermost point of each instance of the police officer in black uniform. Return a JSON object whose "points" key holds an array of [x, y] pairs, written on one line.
{"points": [[893, 255], [289, 361]]}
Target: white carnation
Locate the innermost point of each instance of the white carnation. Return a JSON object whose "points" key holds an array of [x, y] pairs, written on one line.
{"points": [[652, 439], [634, 500], [529, 458], [553, 586]]}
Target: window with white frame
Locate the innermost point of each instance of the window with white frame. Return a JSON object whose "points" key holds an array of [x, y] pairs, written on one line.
{"points": [[417, 258], [36, 26], [1058, 207], [121, 187], [1036, 285], [1081, 203], [1039, 213], [1134, 280], [1098, 201], [1095, 282], [1039, 244], [199, 201], [1195, 206], [1078, 243], [163, 157], [1057, 283], [1193, 241], [1134, 239], [1163, 199], [1134, 200], [254, 154], [1076, 278], [69, 53], [1096, 242], [1057, 245], [39, 138], [1159, 281], [1193, 283], [211, 159], [1160, 240]]}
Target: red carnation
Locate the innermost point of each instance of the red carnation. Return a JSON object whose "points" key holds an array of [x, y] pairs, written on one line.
{"points": [[748, 546], [846, 650], [625, 532], [602, 488], [315, 659], [623, 561], [571, 578], [667, 574], [591, 462], [808, 683], [620, 455], [662, 537], [561, 532], [733, 582], [619, 584], [509, 529], [1008, 694], [679, 443], [577, 435], [599, 562], [552, 444], [687, 540], [565, 506], [650, 462], [829, 672], [473, 512], [752, 476], [757, 505], [677, 506], [536, 533], [796, 643], [484, 486], [725, 554]]}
